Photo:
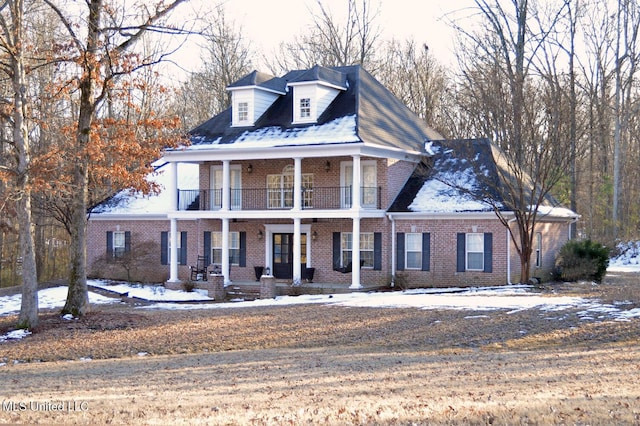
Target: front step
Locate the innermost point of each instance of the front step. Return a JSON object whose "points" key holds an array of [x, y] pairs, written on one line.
{"points": [[243, 293]]}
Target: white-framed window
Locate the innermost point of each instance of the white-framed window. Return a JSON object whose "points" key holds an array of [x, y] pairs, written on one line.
{"points": [[413, 250], [169, 247], [366, 249], [234, 248], [243, 111], [119, 244], [305, 107], [280, 189], [474, 252], [538, 249], [235, 182], [369, 183]]}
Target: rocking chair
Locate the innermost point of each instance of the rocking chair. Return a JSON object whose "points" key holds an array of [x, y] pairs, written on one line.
{"points": [[199, 271]]}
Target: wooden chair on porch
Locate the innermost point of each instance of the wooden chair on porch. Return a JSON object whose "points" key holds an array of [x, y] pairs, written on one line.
{"points": [[199, 271]]}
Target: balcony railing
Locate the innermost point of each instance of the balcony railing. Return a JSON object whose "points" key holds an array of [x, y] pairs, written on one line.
{"points": [[325, 198]]}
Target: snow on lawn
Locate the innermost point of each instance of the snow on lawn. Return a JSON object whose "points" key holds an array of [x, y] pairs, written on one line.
{"points": [[628, 259]]}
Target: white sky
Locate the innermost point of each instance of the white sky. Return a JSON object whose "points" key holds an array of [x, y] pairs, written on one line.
{"points": [[268, 23]]}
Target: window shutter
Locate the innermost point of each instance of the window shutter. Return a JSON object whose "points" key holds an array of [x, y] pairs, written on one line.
{"points": [[207, 247], [109, 245], [426, 251], [127, 242], [182, 258], [400, 251], [377, 251], [488, 252], [336, 250], [243, 249], [461, 252], [164, 248]]}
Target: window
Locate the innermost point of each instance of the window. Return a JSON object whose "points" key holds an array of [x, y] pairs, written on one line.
{"points": [[118, 244], [538, 250], [366, 248], [413, 251], [475, 252], [234, 248], [305, 107], [243, 111], [280, 189]]}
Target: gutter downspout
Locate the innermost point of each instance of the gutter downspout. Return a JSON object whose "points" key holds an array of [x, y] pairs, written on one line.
{"points": [[509, 250], [393, 252]]}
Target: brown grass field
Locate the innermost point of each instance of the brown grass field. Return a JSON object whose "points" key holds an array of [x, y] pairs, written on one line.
{"points": [[315, 364]]}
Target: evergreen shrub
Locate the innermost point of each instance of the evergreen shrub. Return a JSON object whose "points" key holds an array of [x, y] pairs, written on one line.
{"points": [[582, 260]]}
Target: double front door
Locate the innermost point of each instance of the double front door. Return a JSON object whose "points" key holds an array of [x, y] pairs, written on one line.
{"points": [[283, 254]]}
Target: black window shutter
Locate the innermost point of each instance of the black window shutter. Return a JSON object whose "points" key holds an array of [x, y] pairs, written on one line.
{"points": [[243, 249], [377, 251], [207, 247], [164, 248], [127, 241], [336, 251], [488, 252], [426, 251], [182, 259], [400, 251], [109, 244], [461, 252]]}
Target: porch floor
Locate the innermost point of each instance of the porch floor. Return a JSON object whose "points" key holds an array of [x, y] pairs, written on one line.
{"points": [[285, 288]]}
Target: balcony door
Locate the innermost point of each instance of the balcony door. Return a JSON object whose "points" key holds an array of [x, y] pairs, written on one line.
{"points": [[280, 189], [282, 254], [235, 183]]}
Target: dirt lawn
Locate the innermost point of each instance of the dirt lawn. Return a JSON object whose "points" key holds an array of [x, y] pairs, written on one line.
{"points": [[315, 364]]}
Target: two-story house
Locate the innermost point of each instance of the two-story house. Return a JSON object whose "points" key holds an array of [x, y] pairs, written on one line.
{"points": [[319, 170]]}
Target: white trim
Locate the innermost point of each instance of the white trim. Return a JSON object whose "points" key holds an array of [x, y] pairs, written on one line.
{"points": [[284, 229], [317, 83], [231, 89]]}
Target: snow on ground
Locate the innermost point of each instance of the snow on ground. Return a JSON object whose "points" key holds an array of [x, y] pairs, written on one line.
{"points": [[509, 298]]}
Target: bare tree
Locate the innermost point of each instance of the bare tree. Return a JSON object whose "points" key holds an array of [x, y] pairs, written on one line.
{"points": [[497, 79], [331, 43], [226, 58]]}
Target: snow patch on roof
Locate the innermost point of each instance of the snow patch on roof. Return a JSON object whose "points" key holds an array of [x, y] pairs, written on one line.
{"points": [[128, 202], [556, 212], [340, 130]]}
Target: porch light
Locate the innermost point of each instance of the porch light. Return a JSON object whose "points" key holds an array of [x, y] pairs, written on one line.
{"points": [[260, 234], [327, 166], [249, 168], [314, 235]]}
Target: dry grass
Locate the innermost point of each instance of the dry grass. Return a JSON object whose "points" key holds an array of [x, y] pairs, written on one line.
{"points": [[332, 365]]}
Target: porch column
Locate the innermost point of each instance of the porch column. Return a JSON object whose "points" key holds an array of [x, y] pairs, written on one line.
{"points": [[173, 223], [355, 255], [173, 264], [297, 255], [225, 250], [297, 184], [356, 184], [226, 191]]}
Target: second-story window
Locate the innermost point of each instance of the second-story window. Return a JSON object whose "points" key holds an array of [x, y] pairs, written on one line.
{"points": [[305, 107], [243, 111]]}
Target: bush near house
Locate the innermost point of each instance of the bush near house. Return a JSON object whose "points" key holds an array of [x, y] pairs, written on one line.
{"points": [[583, 259]]}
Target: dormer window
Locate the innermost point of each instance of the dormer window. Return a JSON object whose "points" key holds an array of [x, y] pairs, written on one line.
{"points": [[243, 111], [305, 107]]}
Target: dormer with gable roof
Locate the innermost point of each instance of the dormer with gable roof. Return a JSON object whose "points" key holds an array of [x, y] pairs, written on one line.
{"points": [[252, 95], [313, 91]]}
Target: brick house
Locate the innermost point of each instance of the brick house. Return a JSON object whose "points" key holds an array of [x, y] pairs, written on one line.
{"points": [[269, 183]]}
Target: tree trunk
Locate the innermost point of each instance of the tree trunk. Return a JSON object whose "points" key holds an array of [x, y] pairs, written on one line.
{"points": [[77, 302]]}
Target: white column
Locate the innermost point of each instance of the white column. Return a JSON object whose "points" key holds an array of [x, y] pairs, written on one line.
{"points": [[173, 186], [355, 255], [173, 265], [357, 183], [226, 189], [297, 184], [297, 255], [225, 250]]}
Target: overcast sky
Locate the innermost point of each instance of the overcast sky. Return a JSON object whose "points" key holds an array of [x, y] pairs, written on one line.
{"points": [[267, 23]]}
